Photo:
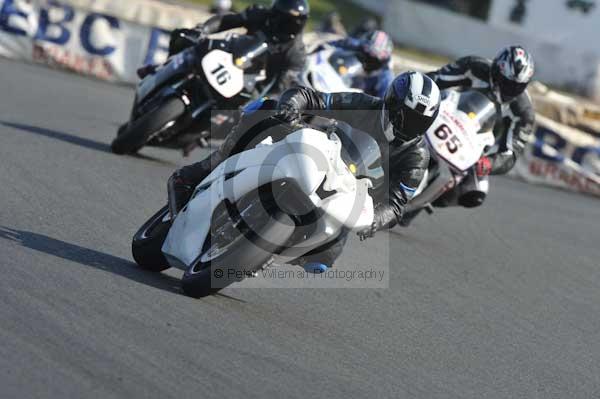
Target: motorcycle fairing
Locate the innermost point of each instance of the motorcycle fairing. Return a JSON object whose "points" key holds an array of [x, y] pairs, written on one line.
{"points": [[468, 145], [307, 156], [324, 76], [174, 67]]}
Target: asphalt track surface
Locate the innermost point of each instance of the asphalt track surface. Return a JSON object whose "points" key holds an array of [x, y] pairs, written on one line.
{"points": [[500, 302]]}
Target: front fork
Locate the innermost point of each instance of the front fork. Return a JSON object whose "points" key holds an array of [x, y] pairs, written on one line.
{"points": [[443, 182], [447, 181]]}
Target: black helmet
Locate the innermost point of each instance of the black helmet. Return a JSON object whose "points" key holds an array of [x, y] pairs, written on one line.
{"points": [[377, 49], [288, 18], [412, 103], [512, 70]]}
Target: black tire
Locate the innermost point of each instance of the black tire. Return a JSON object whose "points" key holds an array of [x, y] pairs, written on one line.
{"points": [[198, 285], [198, 280], [137, 133], [147, 243]]}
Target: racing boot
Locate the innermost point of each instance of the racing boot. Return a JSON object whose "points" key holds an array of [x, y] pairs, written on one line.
{"points": [[146, 70]]}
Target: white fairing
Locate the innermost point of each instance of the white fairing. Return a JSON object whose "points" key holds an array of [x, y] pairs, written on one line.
{"points": [[292, 158], [454, 140], [454, 136], [222, 74], [323, 76]]}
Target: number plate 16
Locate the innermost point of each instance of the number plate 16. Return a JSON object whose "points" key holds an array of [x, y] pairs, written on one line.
{"points": [[222, 74]]}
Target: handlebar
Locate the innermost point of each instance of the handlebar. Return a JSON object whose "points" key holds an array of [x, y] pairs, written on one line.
{"points": [[244, 61], [249, 49], [192, 36]]}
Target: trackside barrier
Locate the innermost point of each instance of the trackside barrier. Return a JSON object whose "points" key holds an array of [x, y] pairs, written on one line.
{"points": [[561, 156], [84, 41]]}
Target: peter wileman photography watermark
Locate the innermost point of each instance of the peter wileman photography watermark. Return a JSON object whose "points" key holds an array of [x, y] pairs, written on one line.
{"points": [[300, 274], [292, 194]]}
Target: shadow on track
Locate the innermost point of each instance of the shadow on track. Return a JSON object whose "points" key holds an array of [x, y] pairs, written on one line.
{"points": [[76, 140], [153, 159], [54, 134], [89, 257]]}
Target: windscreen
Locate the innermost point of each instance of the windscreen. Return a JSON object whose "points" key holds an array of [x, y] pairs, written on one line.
{"points": [[361, 154], [248, 47], [479, 108], [346, 64]]}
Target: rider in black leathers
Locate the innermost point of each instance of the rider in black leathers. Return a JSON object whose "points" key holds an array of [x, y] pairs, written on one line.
{"points": [[397, 122], [282, 24], [504, 80]]}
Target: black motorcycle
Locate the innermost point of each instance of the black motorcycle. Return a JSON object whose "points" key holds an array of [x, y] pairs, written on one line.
{"points": [[179, 104]]}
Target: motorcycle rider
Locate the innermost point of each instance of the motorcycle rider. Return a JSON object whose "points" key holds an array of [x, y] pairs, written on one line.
{"points": [[397, 122], [374, 50], [282, 24], [504, 80]]}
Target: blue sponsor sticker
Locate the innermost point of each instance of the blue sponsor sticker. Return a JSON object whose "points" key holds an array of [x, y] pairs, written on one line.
{"points": [[254, 106]]}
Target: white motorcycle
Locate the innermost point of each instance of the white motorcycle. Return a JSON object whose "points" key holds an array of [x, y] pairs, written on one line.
{"points": [[277, 201], [457, 139], [331, 70]]}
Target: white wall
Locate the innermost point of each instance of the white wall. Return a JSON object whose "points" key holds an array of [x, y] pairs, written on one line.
{"points": [[552, 20], [439, 31]]}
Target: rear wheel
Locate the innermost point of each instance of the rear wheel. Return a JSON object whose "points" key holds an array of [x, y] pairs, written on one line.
{"points": [[135, 135], [148, 241]]}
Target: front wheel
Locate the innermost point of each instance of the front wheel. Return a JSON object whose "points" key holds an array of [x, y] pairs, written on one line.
{"points": [[137, 133], [147, 243], [242, 239]]}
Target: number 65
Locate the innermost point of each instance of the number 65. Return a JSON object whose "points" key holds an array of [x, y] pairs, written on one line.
{"points": [[445, 133]]}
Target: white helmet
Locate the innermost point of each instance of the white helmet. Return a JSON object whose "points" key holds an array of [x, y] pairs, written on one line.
{"points": [[512, 70], [412, 103]]}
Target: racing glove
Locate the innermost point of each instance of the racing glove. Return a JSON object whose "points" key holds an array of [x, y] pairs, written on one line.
{"points": [[368, 232], [483, 167], [384, 217], [179, 42], [288, 113]]}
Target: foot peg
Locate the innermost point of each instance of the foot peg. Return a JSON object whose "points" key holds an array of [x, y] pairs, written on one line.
{"points": [[264, 267], [145, 71]]}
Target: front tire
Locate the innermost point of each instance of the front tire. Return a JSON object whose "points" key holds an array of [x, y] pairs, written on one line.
{"points": [[237, 246], [132, 138], [147, 243]]}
